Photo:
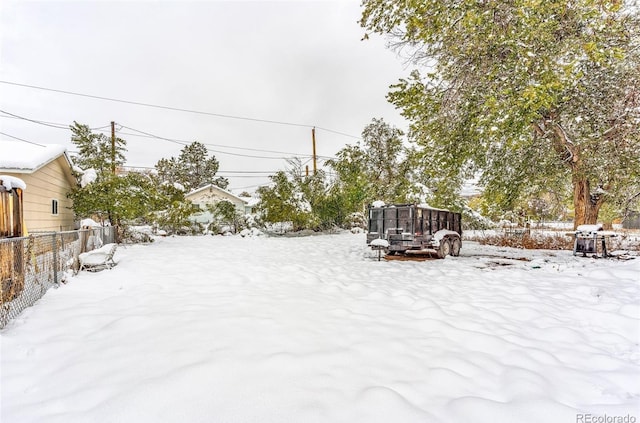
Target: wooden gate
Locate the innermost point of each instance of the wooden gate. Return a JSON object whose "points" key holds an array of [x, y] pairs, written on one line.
{"points": [[11, 253]]}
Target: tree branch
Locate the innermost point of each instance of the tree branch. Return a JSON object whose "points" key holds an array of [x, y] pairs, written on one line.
{"points": [[565, 142]]}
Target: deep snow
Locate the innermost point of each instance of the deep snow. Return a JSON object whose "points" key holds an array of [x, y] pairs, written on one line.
{"points": [[232, 329]]}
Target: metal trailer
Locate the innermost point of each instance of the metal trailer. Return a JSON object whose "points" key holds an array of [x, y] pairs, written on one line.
{"points": [[414, 229]]}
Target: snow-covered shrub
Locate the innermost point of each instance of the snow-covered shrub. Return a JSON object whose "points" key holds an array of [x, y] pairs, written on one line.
{"points": [[136, 234], [472, 220], [539, 241], [279, 227], [628, 240], [253, 232], [355, 220]]}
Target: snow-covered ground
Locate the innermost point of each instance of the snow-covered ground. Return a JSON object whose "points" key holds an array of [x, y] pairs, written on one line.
{"points": [[315, 329]]}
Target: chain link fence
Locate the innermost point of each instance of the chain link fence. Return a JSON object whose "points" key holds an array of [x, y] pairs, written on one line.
{"points": [[29, 266]]}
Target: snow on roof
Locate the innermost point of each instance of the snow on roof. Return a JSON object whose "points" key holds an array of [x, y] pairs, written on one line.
{"points": [[252, 201], [21, 157], [10, 182]]}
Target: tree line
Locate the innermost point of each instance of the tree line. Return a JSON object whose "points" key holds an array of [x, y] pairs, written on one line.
{"points": [[152, 197], [538, 102], [377, 168]]}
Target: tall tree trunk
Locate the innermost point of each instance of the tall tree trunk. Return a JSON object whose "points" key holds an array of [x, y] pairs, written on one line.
{"points": [[586, 206]]}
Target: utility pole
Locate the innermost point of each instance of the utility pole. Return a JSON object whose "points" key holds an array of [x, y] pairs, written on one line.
{"points": [[313, 138], [113, 147]]}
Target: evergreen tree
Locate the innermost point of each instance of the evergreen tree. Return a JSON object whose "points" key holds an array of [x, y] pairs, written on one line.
{"points": [[95, 150], [193, 168]]}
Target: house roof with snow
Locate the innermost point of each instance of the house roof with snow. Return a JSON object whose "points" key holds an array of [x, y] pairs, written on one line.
{"points": [[21, 157], [215, 188]]}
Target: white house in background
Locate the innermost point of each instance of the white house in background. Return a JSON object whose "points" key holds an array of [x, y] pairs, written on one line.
{"points": [[46, 171], [209, 195]]}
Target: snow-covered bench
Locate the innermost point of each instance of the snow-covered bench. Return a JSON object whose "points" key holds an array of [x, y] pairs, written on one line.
{"points": [[98, 259]]}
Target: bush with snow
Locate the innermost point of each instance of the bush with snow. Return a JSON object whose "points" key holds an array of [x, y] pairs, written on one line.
{"points": [[253, 232], [355, 220]]}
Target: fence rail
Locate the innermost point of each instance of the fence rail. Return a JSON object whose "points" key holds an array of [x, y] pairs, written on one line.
{"points": [[29, 266]]}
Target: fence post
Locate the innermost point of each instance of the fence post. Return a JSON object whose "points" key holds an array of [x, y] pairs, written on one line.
{"points": [[55, 259], [83, 240]]}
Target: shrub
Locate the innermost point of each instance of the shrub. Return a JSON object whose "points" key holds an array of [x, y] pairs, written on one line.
{"points": [[529, 241]]}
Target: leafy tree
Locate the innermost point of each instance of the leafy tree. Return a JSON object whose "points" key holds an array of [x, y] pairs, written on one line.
{"points": [[226, 213], [119, 197], [325, 210], [284, 200], [523, 92], [376, 169], [174, 216], [192, 169], [124, 197], [351, 189], [385, 161]]}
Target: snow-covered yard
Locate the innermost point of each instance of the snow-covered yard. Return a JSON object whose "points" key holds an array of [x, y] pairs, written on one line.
{"points": [[314, 329]]}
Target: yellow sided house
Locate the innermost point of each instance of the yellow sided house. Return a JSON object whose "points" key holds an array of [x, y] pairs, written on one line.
{"points": [[47, 172]]}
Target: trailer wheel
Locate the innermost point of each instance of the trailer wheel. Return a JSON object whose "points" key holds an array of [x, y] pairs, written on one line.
{"points": [[455, 247], [445, 248]]}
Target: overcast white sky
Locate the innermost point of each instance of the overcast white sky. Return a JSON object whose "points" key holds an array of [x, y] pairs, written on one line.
{"points": [[298, 62]]}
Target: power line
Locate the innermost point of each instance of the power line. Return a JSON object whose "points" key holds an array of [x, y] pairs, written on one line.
{"points": [[267, 172], [185, 142], [209, 144], [235, 174], [173, 140], [179, 109], [45, 123], [34, 121], [182, 142], [23, 140]]}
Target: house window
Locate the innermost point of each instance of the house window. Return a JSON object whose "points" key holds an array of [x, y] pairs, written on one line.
{"points": [[54, 207]]}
